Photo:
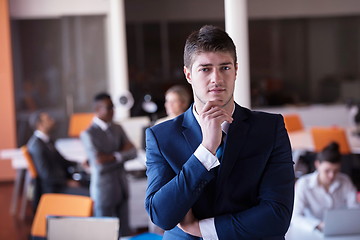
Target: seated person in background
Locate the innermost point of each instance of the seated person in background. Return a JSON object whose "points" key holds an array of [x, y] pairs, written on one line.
{"points": [[107, 148], [54, 172], [324, 189], [177, 100]]}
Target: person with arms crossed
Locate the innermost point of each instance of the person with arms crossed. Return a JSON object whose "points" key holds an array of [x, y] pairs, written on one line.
{"points": [[219, 170], [107, 148], [324, 189]]}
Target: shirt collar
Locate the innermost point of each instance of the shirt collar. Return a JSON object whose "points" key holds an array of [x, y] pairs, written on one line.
{"points": [[314, 183], [224, 126], [102, 124], [44, 137]]}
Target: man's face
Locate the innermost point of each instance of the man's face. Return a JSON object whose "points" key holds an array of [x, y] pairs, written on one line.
{"points": [[212, 77], [104, 109], [327, 172], [46, 123], [173, 104]]}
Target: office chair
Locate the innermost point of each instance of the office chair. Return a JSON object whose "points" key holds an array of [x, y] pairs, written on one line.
{"points": [[293, 122], [30, 176], [322, 136], [58, 204], [78, 123]]}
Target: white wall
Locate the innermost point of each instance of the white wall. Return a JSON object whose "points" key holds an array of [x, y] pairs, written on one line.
{"points": [[55, 8], [174, 10]]}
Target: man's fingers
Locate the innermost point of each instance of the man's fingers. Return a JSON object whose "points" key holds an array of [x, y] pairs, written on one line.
{"points": [[217, 112], [209, 105]]}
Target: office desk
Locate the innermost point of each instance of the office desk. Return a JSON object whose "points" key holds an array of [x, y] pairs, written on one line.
{"points": [[297, 233], [72, 149], [302, 140]]}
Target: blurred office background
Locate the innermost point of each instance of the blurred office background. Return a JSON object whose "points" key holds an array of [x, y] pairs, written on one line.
{"points": [[302, 54]]}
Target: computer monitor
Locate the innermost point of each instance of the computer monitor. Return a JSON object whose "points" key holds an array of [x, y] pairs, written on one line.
{"points": [[89, 228], [342, 222]]}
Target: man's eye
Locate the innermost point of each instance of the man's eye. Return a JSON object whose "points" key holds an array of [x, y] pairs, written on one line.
{"points": [[226, 68], [204, 69]]}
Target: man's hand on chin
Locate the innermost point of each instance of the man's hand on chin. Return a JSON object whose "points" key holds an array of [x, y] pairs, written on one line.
{"points": [[190, 224]]}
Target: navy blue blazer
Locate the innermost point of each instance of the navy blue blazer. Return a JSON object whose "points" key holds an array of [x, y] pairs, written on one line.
{"points": [[250, 195]]}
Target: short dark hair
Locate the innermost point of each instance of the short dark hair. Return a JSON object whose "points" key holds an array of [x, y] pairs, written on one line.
{"points": [[330, 153], [34, 119], [101, 96], [208, 39]]}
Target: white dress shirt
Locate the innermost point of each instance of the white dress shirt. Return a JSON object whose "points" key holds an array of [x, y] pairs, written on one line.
{"points": [[44, 137], [312, 200], [207, 226], [102, 124]]}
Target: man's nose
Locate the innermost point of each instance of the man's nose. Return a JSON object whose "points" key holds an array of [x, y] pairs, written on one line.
{"points": [[216, 76]]}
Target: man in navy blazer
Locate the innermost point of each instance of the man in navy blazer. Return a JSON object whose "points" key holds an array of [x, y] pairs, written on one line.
{"points": [[195, 193]]}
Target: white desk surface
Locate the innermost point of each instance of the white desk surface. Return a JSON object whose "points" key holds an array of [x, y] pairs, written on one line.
{"points": [[16, 156], [72, 149], [297, 233]]}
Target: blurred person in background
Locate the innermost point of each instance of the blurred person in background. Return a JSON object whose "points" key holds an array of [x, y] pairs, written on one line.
{"points": [[54, 171], [177, 100], [108, 147], [326, 188]]}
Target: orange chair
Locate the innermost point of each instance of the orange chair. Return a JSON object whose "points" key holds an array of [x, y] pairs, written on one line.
{"points": [[293, 122], [322, 136], [59, 205], [29, 161], [31, 175], [78, 123]]}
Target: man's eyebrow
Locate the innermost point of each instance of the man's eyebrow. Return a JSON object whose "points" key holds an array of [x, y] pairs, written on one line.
{"points": [[205, 65], [210, 64], [226, 63]]}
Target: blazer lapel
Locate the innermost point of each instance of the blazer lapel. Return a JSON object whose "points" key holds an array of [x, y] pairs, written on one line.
{"points": [[191, 130], [234, 144]]}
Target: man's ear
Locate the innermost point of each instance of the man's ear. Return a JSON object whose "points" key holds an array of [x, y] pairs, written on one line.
{"points": [[236, 69], [187, 73]]}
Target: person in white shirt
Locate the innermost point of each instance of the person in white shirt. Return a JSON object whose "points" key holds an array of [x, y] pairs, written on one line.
{"points": [[324, 189]]}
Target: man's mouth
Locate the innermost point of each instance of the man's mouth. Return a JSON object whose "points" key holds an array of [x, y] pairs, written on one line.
{"points": [[217, 90]]}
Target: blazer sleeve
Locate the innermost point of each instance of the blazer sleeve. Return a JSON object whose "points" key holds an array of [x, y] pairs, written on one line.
{"points": [[43, 166], [170, 196], [272, 215]]}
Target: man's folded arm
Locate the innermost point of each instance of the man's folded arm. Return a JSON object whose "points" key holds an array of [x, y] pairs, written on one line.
{"points": [[169, 195], [272, 215]]}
